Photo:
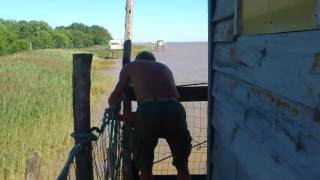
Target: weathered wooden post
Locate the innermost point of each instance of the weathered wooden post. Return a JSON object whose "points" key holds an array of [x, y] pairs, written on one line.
{"points": [[33, 166], [128, 23], [81, 83], [129, 170], [127, 162]]}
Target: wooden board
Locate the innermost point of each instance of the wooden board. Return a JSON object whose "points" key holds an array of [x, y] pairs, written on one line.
{"points": [[223, 9], [224, 31], [284, 64], [262, 133], [264, 106], [187, 93]]}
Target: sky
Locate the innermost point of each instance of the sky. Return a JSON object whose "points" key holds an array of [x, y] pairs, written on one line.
{"points": [[169, 20]]}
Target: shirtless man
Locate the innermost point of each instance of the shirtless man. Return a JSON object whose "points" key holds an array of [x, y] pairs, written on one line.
{"points": [[159, 114]]}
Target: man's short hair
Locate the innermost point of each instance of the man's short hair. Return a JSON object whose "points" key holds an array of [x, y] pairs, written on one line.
{"points": [[145, 55]]}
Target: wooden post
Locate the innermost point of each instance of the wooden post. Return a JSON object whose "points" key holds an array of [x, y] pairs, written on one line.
{"points": [[127, 162], [33, 167], [128, 169], [128, 23], [126, 52], [81, 112]]}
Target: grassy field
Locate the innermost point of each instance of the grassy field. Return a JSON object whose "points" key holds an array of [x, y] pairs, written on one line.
{"points": [[36, 108]]}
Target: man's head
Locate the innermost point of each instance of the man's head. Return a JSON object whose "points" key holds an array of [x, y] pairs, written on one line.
{"points": [[145, 55]]}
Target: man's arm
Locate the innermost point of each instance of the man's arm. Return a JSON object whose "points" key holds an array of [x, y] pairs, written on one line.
{"points": [[120, 87]]}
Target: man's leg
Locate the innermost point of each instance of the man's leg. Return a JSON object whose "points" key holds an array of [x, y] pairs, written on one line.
{"points": [[146, 141], [146, 173], [183, 171], [145, 154], [146, 162], [145, 159], [180, 146]]}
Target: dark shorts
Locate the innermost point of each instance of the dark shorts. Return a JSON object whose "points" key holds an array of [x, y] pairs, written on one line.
{"points": [[161, 119]]}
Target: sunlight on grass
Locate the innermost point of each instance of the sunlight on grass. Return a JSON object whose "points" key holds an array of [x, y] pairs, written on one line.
{"points": [[36, 108]]}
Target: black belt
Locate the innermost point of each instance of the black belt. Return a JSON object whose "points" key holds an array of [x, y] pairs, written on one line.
{"points": [[157, 99]]}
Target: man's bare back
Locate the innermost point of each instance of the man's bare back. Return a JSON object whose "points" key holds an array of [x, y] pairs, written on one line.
{"points": [[159, 114], [149, 79]]}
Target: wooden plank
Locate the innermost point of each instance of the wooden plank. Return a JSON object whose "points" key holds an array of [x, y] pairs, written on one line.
{"points": [[280, 63], [129, 171], [223, 9], [196, 93], [225, 165], [318, 13], [271, 137], [211, 8], [81, 83], [187, 94], [251, 98], [224, 30], [174, 177]]}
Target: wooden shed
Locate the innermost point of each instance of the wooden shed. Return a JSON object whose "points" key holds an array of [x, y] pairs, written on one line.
{"points": [[264, 90]]}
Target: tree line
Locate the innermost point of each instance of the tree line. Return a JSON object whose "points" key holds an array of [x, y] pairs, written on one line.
{"points": [[17, 36]]}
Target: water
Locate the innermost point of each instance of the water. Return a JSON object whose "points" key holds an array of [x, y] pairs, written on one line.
{"points": [[188, 61]]}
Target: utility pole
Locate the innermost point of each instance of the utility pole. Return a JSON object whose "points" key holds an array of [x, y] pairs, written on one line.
{"points": [[129, 171], [128, 23]]}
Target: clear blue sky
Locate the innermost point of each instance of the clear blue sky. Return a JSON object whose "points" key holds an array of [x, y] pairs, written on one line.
{"points": [[170, 20]]}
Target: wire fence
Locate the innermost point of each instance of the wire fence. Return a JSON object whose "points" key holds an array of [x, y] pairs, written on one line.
{"points": [[197, 125], [107, 147]]}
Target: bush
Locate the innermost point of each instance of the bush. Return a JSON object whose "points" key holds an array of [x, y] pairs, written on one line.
{"points": [[9, 42], [18, 36]]}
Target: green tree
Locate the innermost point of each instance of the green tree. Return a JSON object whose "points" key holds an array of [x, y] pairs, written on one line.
{"points": [[79, 27], [43, 39], [21, 35], [9, 42], [100, 35], [61, 40], [80, 39]]}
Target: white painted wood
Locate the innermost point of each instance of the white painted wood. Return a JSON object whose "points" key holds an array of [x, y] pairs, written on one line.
{"points": [[266, 91], [280, 63], [223, 9], [268, 139], [224, 31]]}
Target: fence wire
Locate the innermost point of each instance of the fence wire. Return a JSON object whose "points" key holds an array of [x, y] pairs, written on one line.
{"points": [[106, 144], [107, 150], [197, 124], [99, 157]]}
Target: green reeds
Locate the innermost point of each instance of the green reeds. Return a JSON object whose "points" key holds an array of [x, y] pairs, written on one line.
{"points": [[36, 109]]}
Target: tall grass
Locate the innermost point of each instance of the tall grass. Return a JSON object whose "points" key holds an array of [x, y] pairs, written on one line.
{"points": [[36, 110]]}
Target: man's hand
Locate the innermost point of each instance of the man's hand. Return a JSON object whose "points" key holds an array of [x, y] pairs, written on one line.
{"points": [[127, 118], [120, 87]]}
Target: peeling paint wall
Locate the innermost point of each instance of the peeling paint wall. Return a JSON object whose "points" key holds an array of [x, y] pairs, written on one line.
{"points": [[265, 112]]}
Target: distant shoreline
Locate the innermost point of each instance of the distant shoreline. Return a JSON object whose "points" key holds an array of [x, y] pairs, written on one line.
{"points": [[181, 42]]}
